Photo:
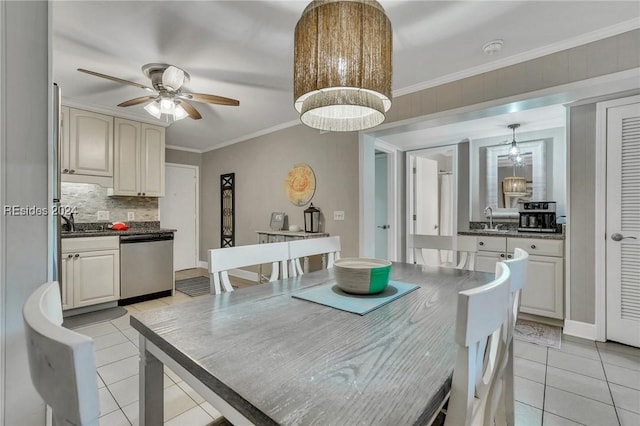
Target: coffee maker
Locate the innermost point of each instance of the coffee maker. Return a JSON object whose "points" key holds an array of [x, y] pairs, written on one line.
{"points": [[537, 216]]}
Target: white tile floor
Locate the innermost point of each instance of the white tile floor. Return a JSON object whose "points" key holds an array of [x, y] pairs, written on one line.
{"points": [[583, 383]]}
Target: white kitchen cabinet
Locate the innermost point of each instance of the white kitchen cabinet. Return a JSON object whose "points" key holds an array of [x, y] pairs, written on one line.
{"points": [[543, 293], [139, 159], [90, 271], [86, 147]]}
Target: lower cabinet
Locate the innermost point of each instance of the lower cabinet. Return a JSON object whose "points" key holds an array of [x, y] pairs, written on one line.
{"points": [[90, 271], [544, 292]]}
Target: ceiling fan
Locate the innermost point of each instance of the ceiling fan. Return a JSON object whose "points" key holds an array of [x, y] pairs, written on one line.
{"points": [[168, 97]]}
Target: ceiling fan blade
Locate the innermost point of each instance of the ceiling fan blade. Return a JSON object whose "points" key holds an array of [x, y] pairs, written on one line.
{"points": [[210, 99], [193, 113], [116, 79], [136, 101]]}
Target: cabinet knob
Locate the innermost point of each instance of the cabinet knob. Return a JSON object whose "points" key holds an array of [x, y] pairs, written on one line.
{"points": [[501, 254], [144, 193], [72, 171], [509, 256], [65, 171], [69, 256], [480, 243], [76, 255], [138, 193], [533, 246]]}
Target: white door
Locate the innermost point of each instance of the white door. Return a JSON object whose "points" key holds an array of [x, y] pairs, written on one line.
{"points": [[426, 212], [179, 210], [382, 224], [623, 224]]}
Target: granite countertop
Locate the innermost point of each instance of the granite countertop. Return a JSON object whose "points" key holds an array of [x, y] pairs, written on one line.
{"points": [[99, 229], [511, 233]]}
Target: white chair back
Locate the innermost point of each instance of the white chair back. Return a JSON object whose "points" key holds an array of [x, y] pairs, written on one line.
{"points": [[329, 246], [464, 252], [61, 361], [480, 337], [223, 259], [518, 268]]}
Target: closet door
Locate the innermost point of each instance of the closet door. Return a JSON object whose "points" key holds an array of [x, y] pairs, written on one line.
{"points": [[623, 224]]}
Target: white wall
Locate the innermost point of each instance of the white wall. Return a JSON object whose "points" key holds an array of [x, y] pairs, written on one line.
{"points": [[24, 142]]}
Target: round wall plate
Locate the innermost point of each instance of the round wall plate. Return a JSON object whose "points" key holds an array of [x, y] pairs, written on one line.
{"points": [[300, 184]]}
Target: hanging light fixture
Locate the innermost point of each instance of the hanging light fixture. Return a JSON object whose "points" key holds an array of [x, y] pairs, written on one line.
{"points": [[514, 151], [342, 65]]}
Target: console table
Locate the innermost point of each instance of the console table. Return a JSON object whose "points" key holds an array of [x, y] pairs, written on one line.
{"points": [[280, 236]]}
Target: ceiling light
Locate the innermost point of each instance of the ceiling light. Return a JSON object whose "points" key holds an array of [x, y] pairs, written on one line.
{"points": [[164, 105], [342, 65]]}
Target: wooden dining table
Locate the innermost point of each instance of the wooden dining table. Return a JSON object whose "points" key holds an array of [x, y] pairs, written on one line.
{"points": [[261, 356]]}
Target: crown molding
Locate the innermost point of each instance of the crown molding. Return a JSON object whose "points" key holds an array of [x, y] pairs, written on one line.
{"points": [[113, 112], [622, 27], [181, 148]]}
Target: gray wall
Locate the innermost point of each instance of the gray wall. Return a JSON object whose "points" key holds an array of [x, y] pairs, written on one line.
{"points": [[582, 199], [23, 171], [260, 166], [178, 156]]}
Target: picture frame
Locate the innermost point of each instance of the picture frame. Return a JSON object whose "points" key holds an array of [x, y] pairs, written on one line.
{"points": [[277, 221]]}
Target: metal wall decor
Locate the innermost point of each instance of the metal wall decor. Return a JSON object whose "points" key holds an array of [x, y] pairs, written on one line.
{"points": [[300, 184], [227, 210]]}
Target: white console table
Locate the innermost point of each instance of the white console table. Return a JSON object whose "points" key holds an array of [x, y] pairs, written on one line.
{"points": [[280, 236]]}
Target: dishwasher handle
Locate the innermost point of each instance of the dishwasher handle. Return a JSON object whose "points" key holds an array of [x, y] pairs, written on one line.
{"points": [[145, 238]]}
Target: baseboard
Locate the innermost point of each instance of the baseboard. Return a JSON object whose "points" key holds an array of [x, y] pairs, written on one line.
{"points": [[580, 329], [246, 275], [203, 264]]}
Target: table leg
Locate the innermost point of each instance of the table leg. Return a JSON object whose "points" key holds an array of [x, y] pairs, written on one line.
{"points": [[151, 387]]}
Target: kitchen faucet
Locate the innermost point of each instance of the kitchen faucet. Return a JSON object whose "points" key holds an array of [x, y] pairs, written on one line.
{"points": [[69, 222], [490, 216]]}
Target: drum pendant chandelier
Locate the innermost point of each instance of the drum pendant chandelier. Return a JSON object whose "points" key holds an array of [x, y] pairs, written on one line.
{"points": [[342, 65]]}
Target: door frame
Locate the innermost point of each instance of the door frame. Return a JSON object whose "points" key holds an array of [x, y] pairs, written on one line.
{"points": [[601, 212], [197, 173]]}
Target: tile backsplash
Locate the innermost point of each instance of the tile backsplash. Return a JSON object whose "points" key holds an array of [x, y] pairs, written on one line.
{"points": [[88, 199]]}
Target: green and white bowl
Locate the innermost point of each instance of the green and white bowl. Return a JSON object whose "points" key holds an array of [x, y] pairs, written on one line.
{"points": [[362, 276]]}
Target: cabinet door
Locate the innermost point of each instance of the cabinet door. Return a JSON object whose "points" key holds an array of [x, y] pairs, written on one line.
{"points": [[96, 277], [542, 294], [152, 161], [66, 280], [90, 143], [126, 176], [486, 261]]}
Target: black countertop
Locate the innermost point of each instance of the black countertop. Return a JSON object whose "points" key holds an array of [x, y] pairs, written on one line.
{"points": [[100, 229]]}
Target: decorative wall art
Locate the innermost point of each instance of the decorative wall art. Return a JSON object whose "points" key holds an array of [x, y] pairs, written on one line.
{"points": [[227, 210], [300, 184]]}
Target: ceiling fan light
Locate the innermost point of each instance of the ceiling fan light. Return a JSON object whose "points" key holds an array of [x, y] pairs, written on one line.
{"points": [[167, 106], [180, 113], [342, 65], [153, 108]]}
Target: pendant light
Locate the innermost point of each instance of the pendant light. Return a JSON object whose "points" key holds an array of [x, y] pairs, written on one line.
{"points": [[342, 65], [514, 151]]}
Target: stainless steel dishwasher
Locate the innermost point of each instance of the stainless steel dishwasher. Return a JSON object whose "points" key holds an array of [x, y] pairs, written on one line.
{"points": [[146, 266]]}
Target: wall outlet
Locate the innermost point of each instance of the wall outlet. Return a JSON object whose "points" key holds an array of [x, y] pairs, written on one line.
{"points": [[338, 215], [103, 215], [131, 216]]}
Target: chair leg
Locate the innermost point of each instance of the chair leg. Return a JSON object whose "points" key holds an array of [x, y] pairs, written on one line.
{"points": [[214, 283], [226, 284], [509, 395]]}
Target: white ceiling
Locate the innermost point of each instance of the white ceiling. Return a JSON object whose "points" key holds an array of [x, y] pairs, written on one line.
{"points": [[244, 50]]}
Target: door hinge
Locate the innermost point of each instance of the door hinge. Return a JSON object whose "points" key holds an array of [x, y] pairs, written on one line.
{"points": [[414, 170], [415, 217]]}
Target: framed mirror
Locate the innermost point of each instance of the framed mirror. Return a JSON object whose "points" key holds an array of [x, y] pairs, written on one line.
{"points": [[499, 166]]}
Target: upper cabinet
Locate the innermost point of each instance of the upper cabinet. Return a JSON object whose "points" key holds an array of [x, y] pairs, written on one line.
{"points": [[139, 159], [87, 147]]}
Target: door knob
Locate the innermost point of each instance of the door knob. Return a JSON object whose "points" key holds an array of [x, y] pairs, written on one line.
{"points": [[619, 237], [384, 226]]}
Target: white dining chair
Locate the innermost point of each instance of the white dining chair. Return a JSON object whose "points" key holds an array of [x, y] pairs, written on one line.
{"points": [[518, 268], [481, 345], [463, 252], [299, 249], [224, 259], [61, 361]]}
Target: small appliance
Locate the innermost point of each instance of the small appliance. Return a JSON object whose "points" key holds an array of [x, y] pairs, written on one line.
{"points": [[537, 216]]}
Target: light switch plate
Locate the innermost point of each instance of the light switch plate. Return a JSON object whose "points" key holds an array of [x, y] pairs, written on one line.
{"points": [[103, 215], [131, 216], [338, 215]]}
